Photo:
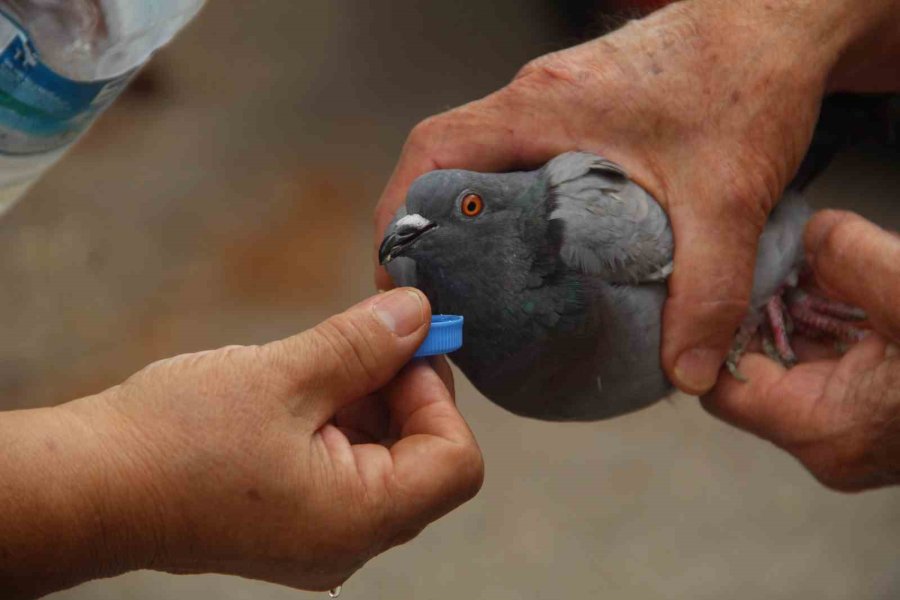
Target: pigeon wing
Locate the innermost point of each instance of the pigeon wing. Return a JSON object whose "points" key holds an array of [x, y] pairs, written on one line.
{"points": [[611, 227]]}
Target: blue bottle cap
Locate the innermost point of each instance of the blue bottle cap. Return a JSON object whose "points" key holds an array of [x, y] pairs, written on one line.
{"points": [[445, 336]]}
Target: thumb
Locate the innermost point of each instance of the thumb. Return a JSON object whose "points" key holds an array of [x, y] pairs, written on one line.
{"points": [[709, 290], [858, 262], [356, 352]]}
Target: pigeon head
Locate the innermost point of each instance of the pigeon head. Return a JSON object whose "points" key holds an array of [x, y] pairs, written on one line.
{"points": [[489, 247], [454, 222], [479, 245]]}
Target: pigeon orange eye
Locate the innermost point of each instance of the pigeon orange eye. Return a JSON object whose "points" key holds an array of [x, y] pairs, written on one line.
{"points": [[472, 205]]}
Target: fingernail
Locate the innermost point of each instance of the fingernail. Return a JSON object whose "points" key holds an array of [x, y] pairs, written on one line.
{"points": [[697, 370], [401, 311]]}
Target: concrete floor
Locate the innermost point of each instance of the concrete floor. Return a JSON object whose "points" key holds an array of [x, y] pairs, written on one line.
{"points": [[230, 202]]}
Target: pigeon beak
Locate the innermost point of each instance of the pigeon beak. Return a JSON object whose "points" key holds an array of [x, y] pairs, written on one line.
{"points": [[404, 233]]}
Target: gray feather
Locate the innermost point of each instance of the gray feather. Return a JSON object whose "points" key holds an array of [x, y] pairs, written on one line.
{"points": [[780, 253], [611, 227]]}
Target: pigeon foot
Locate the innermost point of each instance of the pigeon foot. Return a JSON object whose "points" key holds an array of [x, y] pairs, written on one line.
{"points": [[793, 311]]}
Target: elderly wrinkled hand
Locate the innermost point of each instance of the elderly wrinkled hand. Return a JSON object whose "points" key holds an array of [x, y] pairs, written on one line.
{"points": [[709, 105], [840, 416]]}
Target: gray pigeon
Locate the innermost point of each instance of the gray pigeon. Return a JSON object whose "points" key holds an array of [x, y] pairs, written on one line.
{"points": [[560, 275]]}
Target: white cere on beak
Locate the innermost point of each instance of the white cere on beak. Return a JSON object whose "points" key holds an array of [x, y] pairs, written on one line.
{"points": [[413, 222]]}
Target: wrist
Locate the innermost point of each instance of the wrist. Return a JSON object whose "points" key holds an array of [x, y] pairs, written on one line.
{"points": [[80, 511], [122, 487]]}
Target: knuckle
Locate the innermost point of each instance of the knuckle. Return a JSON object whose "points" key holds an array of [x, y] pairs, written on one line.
{"points": [[176, 366], [237, 371], [426, 133], [224, 374], [430, 137], [397, 534], [562, 80], [531, 67], [406, 535], [229, 355], [551, 68], [469, 465]]}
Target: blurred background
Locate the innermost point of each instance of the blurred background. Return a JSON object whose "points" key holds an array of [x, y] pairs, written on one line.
{"points": [[227, 198]]}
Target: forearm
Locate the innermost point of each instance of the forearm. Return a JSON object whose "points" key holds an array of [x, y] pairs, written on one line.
{"points": [[66, 512]]}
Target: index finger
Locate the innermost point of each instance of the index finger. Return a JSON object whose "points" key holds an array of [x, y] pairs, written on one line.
{"points": [[859, 262], [437, 462]]}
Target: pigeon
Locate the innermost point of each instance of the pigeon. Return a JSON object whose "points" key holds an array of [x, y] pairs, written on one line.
{"points": [[561, 275]]}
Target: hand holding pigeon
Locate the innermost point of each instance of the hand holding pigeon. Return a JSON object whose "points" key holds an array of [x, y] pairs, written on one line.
{"points": [[838, 415], [709, 105]]}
